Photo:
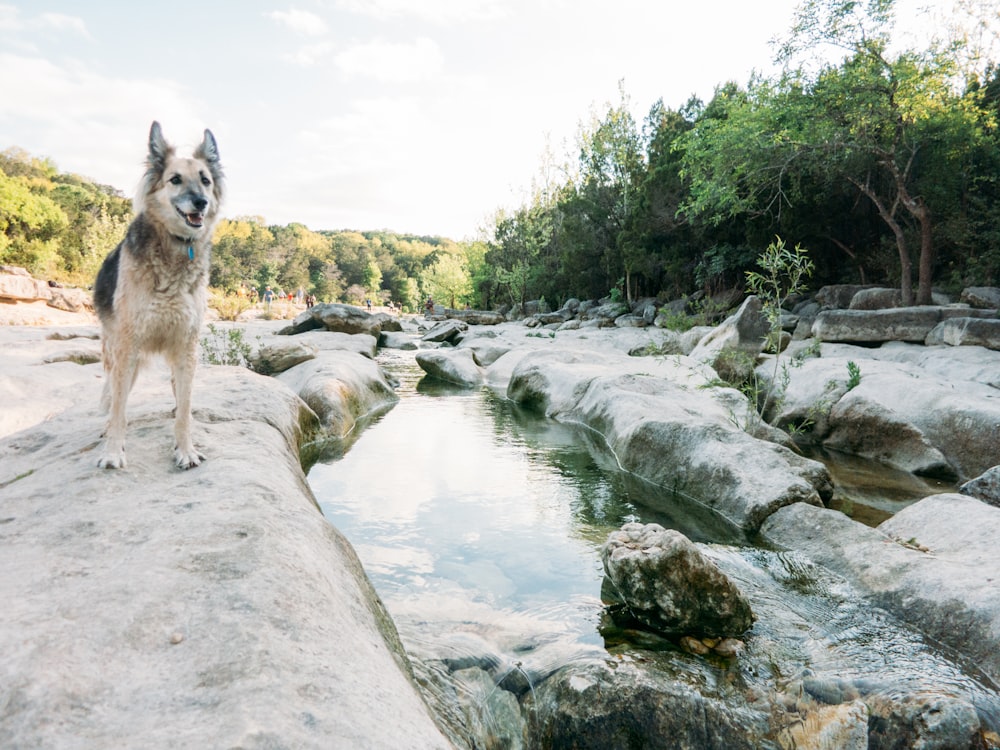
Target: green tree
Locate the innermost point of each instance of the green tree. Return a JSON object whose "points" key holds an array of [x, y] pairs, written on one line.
{"points": [[448, 279]]}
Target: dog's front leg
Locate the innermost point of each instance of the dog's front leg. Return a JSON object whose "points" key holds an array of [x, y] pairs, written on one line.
{"points": [[186, 456], [121, 375]]}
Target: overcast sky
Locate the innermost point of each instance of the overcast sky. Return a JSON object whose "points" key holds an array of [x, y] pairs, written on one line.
{"points": [[416, 116]]}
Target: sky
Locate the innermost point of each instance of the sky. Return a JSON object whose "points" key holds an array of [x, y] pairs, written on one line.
{"points": [[414, 116]]}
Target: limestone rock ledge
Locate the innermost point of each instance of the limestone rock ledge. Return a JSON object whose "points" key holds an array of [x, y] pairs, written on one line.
{"points": [[215, 607]]}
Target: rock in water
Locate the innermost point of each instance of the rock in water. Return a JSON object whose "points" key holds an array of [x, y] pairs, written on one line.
{"points": [[671, 586]]}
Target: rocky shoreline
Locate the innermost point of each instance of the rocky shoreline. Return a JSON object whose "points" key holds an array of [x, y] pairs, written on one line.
{"points": [[204, 606]]}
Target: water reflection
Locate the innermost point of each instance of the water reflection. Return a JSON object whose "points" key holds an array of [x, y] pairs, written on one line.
{"points": [[481, 525]]}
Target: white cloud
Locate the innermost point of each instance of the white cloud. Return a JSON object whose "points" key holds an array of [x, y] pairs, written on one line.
{"points": [[311, 54], [61, 22], [9, 18], [437, 11], [390, 62], [300, 21]]}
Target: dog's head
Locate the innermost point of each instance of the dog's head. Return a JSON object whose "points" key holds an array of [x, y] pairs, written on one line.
{"points": [[184, 194]]}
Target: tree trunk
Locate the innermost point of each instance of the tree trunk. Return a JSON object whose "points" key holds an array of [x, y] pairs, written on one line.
{"points": [[889, 217], [925, 267]]}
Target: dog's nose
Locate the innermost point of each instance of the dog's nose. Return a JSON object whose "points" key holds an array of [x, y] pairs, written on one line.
{"points": [[200, 203]]}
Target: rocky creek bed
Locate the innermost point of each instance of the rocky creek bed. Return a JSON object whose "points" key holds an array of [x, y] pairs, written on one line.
{"points": [[229, 603]]}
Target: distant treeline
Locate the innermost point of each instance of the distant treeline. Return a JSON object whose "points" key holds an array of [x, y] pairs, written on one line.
{"points": [[884, 165]]}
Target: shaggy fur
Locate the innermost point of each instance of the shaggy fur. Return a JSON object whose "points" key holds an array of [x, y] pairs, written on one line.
{"points": [[151, 291]]}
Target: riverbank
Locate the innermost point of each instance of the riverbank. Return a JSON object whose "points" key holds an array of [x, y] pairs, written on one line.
{"points": [[230, 602]]}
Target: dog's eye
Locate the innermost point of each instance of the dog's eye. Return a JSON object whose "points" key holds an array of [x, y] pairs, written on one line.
{"points": [[176, 180], [205, 181]]}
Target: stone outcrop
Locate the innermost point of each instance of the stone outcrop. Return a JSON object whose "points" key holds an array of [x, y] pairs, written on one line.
{"points": [[898, 324], [670, 586], [335, 317], [19, 287], [876, 298], [732, 347], [661, 426], [933, 564], [898, 413], [341, 387], [983, 297], [445, 331], [966, 332], [985, 487], [209, 608], [451, 365]]}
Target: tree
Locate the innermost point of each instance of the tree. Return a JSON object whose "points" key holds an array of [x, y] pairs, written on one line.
{"points": [[448, 279]]}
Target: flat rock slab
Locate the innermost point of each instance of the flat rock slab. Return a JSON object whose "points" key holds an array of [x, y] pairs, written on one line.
{"points": [[933, 564], [214, 608]]}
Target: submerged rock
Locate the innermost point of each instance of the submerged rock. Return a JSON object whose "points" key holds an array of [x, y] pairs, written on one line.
{"points": [[452, 365], [671, 586]]}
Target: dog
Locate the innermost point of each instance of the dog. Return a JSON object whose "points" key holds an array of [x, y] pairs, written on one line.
{"points": [[151, 292]]}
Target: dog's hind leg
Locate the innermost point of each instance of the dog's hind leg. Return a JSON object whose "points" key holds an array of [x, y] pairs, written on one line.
{"points": [[121, 375], [182, 365]]}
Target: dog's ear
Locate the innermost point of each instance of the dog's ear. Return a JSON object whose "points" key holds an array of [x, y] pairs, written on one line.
{"points": [[158, 148], [209, 149]]}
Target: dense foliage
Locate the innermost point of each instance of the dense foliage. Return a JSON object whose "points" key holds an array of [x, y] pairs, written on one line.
{"points": [[884, 163]]}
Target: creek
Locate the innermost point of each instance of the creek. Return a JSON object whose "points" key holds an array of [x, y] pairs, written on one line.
{"points": [[481, 527]]}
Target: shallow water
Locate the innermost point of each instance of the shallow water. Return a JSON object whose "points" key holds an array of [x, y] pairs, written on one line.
{"points": [[481, 526]]}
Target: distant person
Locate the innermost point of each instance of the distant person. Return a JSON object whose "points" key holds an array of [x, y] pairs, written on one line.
{"points": [[268, 297], [369, 303]]}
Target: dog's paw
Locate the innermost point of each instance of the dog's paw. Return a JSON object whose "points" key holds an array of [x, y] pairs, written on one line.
{"points": [[112, 460], [188, 459]]}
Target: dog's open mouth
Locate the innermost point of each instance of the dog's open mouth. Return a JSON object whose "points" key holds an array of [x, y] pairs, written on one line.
{"points": [[193, 219]]}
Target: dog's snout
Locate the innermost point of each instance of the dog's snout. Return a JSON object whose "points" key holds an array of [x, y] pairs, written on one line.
{"points": [[199, 202]]}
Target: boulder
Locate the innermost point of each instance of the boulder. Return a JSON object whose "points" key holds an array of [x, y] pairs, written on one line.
{"points": [[446, 330], [876, 326], [341, 387], [397, 340], [933, 564], [280, 356], [876, 298], [335, 317], [18, 286], [477, 317], [452, 365], [733, 346], [387, 322], [623, 703], [983, 297], [663, 425], [216, 607], [838, 296], [71, 299], [606, 312], [985, 487], [897, 413], [322, 340], [983, 332], [670, 586]]}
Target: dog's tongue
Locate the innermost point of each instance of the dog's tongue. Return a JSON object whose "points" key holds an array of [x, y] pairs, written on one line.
{"points": [[194, 219]]}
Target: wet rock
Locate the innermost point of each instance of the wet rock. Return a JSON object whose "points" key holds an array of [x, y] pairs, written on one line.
{"points": [[665, 428], [985, 487], [671, 586], [935, 722], [340, 387], [452, 365], [933, 564], [840, 727], [601, 705]]}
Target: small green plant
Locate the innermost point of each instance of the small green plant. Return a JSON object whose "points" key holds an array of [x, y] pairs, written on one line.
{"points": [[225, 347], [784, 272], [853, 375], [616, 293]]}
